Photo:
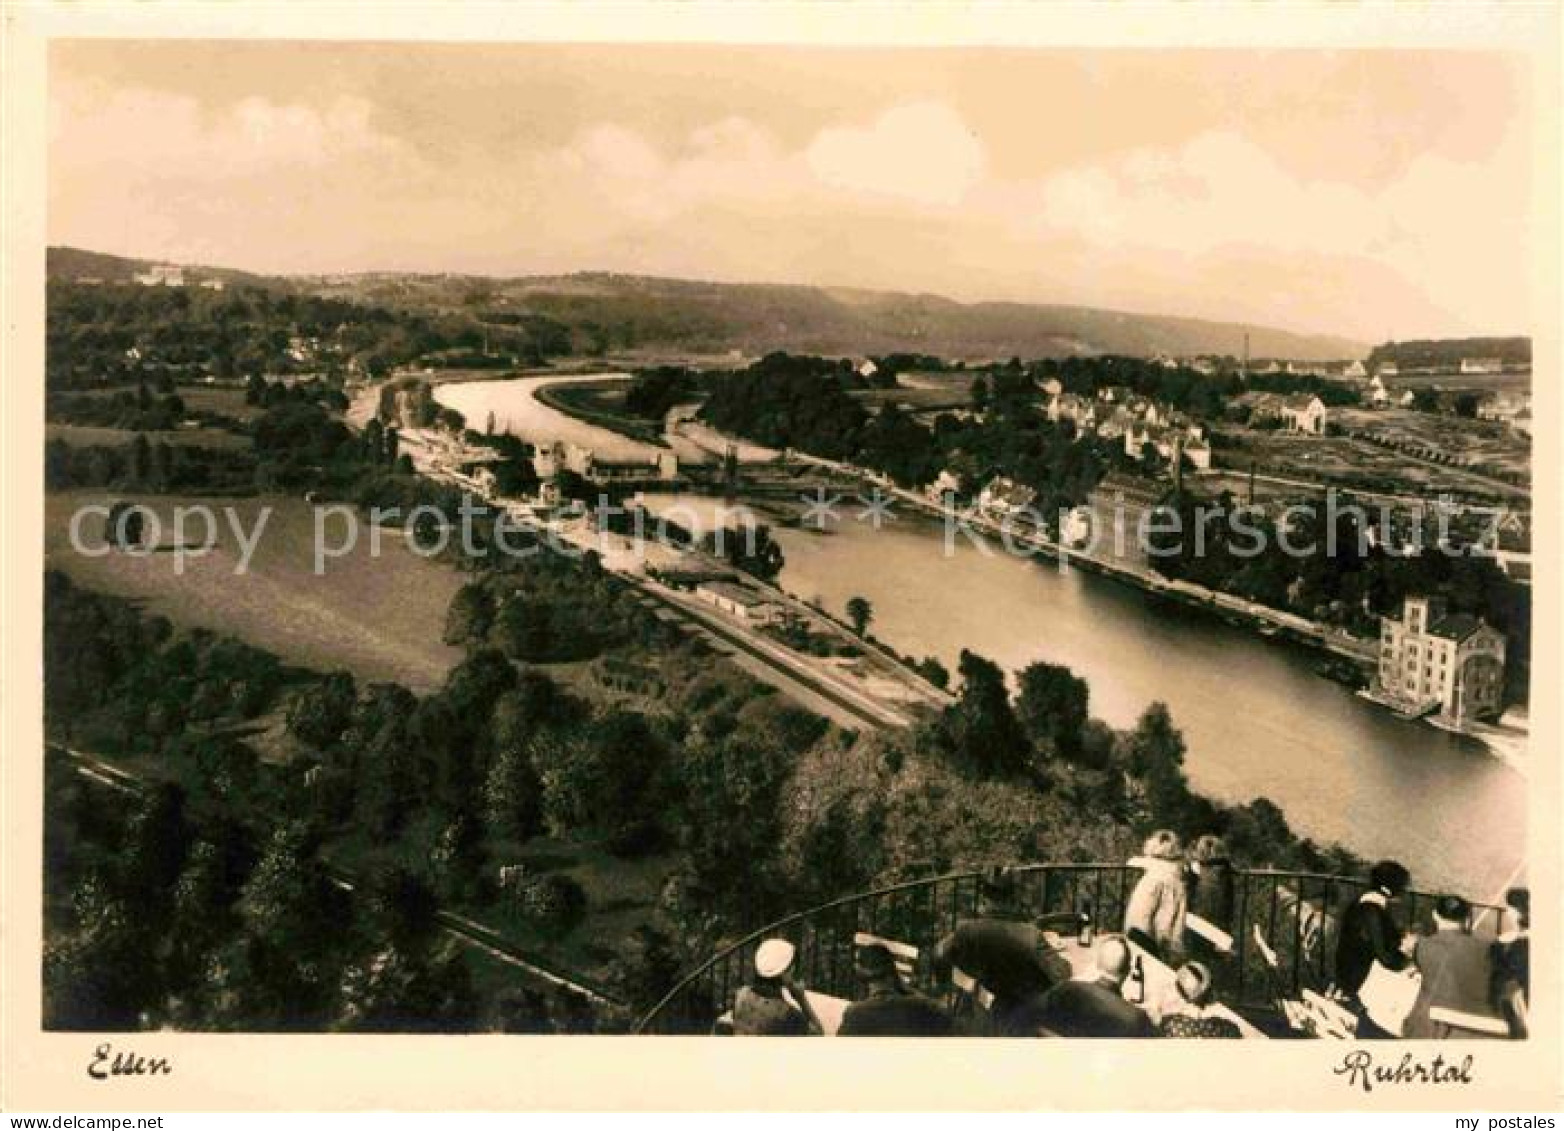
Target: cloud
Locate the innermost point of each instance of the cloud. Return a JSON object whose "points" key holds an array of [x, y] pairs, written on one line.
{"points": [[1216, 225], [922, 152], [154, 134]]}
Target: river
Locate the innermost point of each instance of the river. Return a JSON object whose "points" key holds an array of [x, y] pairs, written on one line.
{"points": [[1257, 719]]}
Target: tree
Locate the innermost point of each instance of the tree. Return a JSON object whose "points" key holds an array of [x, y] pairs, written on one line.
{"points": [[935, 672], [400, 989], [156, 845], [1154, 753], [554, 904], [647, 968], [860, 612], [282, 970], [322, 710], [1052, 708], [981, 728], [979, 393], [512, 796], [399, 906], [124, 525], [608, 777]]}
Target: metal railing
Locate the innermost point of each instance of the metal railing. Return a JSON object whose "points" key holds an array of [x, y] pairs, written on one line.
{"points": [[1296, 913]]}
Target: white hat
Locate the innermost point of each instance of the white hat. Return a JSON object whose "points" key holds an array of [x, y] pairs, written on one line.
{"points": [[773, 957]]}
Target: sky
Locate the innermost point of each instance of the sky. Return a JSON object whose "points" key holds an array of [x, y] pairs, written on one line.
{"points": [[1373, 194]]}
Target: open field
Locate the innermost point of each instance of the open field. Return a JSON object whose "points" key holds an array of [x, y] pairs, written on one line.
{"points": [[1463, 382], [226, 400], [380, 617], [1347, 462], [1480, 443]]}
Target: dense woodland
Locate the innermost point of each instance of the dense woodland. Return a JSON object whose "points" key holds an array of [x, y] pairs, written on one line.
{"points": [[200, 901], [1448, 353], [100, 336]]}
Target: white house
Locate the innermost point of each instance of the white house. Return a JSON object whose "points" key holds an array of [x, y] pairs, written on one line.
{"points": [[1430, 659], [1304, 413], [868, 369], [1376, 395], [1355, 370], [162, 275], [1003, 498], [740, 602], [1482, 365]]}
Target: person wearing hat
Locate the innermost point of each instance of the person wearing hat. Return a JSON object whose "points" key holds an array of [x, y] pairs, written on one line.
{"points": [[774, 1004], [889, 1008], [1191, 1016], [1001, 950], [1455, 998]]}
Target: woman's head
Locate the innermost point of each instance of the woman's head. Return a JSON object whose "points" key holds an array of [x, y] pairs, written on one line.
{"points": [[1163, 845], [1389, 877], [1209, 848], [1194, 983], [1518, 900]]}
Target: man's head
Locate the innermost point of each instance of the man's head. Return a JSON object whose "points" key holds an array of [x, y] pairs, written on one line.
{"points": [[1208, 849], [997, 890], [1390, 878], [1113, 959], [876, 965], [1451, 911]]}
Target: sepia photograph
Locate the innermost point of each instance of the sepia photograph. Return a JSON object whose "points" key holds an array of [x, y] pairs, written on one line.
{"points": [[992, 542]]}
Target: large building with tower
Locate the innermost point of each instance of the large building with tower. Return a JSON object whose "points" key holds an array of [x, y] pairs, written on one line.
{"points": [[1432, 660]]}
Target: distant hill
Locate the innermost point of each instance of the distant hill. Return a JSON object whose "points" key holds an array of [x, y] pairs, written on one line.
{"points": [[67, 264], [631, 312]]}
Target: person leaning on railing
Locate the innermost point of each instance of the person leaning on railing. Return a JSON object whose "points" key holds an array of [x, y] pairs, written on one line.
{"points": [[1154, 915], [889, 1008], [1512, 963], [774, 1003], [1001, 950], [1369, 934]]}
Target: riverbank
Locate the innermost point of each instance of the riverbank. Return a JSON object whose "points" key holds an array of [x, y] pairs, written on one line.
{"points": [[1265, 621], [1259, 717]]}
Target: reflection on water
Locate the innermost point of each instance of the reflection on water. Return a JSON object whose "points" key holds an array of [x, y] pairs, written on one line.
{"points": [[1257, 719]]}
